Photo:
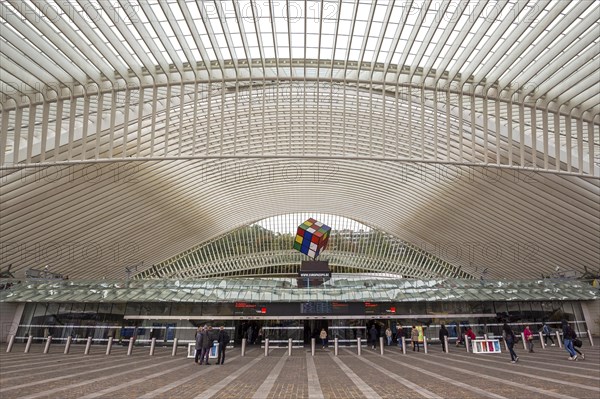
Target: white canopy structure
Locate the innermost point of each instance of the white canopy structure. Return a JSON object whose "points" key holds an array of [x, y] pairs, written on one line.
{"points": [[134, 131]]}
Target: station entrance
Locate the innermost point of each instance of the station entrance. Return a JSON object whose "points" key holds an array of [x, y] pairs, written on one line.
{"points": [[280, 322]]}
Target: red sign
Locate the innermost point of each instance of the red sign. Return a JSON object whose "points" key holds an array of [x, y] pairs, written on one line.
{"points": [[245, 305]]}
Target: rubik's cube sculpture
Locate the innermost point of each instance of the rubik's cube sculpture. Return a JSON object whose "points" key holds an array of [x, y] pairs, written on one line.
{"points": [[312, 237]]}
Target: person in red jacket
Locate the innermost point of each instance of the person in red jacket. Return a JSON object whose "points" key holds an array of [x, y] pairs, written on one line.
{"points": [[470, 334], [528, 338]]}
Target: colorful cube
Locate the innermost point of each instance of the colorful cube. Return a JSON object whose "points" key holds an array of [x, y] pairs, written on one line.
{"points": [[312, 237]]}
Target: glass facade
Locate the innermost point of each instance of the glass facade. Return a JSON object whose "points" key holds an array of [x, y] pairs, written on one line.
{"points": [[167, 321]]}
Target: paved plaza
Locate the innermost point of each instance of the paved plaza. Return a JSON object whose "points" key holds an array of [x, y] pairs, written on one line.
{"points": [[461, 375]]}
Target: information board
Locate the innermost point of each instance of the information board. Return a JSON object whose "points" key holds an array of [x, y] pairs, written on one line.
{"points": [[486, 346]]}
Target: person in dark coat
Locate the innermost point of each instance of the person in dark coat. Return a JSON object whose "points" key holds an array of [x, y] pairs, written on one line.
{"points": [[443, 334], [223, 340], [207, 343], [198, 344], [509, 337], [373, 336]]}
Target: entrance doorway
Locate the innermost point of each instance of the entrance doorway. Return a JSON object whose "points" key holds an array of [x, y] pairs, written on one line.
{"points": [[312, 329]]}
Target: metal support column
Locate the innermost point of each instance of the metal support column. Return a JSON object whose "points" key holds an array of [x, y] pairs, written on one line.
{"points": [[404, 345], [467, 343], [425, 344], [152, 346], [524, 342], [266, 346], [313, 344], [289, 347], [109, 345], [558, 339], [130, 347], [243, 347], [381, 345], [542, 343], [68, 345], [28, 345], [87, 346], [174, 351], [48, 342], [446, 349], [359, 345], [335, 346], [11, 342]]}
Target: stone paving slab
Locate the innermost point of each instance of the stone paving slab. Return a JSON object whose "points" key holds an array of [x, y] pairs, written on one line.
{"points": [[461, 375]]}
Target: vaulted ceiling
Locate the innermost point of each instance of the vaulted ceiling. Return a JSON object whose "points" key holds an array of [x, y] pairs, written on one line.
{"points": [[134, 131]]}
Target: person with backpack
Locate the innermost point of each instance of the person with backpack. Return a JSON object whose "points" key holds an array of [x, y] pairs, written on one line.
{"points": [[223, 340], [510, 338], [547, 331], [568, 336]]}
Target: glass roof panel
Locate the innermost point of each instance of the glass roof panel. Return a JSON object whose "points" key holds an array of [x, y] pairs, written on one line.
{"points": [[347, 288]]}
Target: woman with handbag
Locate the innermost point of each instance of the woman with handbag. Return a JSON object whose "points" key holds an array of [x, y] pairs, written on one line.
{"points": [[529, 338]]}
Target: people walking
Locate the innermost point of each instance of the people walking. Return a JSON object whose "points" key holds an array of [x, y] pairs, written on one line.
{"points": [[509, 337], [399, 335], [373, 335], [568, 335], [388, 336], [547, 332], [414, 337], [323, 337], [442, 335], [528, 338]]}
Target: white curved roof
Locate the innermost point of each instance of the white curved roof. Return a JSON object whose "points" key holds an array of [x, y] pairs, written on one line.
{"points": [[133, 131]]}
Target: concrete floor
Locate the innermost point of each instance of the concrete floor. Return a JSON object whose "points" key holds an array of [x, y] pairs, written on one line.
{"points": [[543, 374]]}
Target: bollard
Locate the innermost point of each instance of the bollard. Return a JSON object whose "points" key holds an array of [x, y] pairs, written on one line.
{"points": [[266, 346], [425, 344], [313, 343], [558, 339], [87, 346], [404, 345], [524, 341], [589, 334], [109, 345], [335, 346], [174, 351], [359, 345], [48, 342], [542, 343], [152, 346], [505, 344], [28, 345], [68, 345], [130, 346], [11, 342], [289, 347], [381, 345], [446, 349], [485, 336], [467, 343], [243, 347]]}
